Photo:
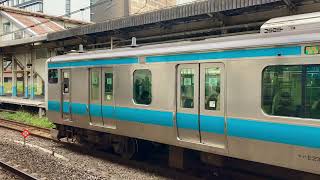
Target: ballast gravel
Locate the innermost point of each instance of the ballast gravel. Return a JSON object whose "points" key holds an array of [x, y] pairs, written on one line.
{"points": [[5, 175], [68, 163]]}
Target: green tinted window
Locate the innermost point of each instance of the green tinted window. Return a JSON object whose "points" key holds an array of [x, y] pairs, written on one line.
{"points": [[95, 85], [312, 90], [212, 88], [291, 91], [187, 88], [53, 76], [108, 86], [142, 86]]}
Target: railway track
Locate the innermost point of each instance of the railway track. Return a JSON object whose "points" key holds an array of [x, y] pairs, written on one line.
{"points": [[46, 134], [18, 126], [16, 171]]}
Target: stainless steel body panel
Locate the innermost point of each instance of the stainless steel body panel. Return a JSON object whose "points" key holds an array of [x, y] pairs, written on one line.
{"points": [[294, 157], [162, 82], [241, 99]]}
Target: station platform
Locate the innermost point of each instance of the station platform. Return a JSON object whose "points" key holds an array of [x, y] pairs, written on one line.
{"points": [[37, 102]]}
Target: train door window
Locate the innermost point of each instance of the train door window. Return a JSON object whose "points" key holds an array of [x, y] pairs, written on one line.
{"points": [[66, 82], [142, 86], [108, 90], [312, 90], [212, 88], [95, 85], [292, 91], [187, 88], [53, 76]]}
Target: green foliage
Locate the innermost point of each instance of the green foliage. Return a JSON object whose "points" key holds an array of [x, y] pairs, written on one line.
{"points": [[27, 118]]}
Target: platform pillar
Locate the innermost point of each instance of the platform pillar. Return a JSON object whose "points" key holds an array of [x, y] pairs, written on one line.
{"points": [[32, 77], [25, 79], [14, 77], [1, 77]]}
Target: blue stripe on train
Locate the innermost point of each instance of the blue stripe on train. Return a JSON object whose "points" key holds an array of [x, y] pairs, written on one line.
{"points": [[246, 53], [299, 135], [98, 62], [210, 124], [161, 118], [275, 132]]}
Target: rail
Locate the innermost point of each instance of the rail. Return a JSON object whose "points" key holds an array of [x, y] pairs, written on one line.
{"points": [[17, 171], [19, 126]]}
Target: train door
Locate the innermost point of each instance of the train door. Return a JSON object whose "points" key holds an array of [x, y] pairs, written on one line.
{"points": [[66, 95], [108, 98], [95, 103], [187, 117], [200, 104], [212, 113]]}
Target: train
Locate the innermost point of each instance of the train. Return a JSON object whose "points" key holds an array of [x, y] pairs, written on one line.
{"points": [[254, 97]]}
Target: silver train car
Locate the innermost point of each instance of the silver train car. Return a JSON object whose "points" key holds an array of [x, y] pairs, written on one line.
{"points": [[254, 97]]}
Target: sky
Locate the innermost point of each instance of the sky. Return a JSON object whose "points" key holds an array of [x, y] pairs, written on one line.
{"points": [[184, 1]]}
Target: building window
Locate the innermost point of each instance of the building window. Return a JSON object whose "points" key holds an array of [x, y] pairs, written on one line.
{"points": [[18, 35], [187, 88], [53, 76], [108, 86], [212, 88], [142, 86], [68, 8], [7, 27], [292, 91]]}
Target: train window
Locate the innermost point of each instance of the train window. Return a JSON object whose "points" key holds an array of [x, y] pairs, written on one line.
{"points": [[292, 91], [212, 88], [108, 86], [53, 76], [187, 88], [66, 82], [142, 88], [312, 90], [95, 85]]}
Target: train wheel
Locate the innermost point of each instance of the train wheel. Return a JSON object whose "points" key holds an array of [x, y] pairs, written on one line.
{"points": [[126, 147]]}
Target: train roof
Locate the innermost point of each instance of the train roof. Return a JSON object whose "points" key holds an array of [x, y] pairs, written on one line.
{"points": [[263, 39]]}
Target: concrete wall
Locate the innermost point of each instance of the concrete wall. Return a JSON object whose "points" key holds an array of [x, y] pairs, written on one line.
{"points": [[58, 8], [121, 8], [83, 15], [109, 10], [54, 7]]}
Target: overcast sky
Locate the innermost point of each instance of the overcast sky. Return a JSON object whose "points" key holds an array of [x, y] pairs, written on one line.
{"points": [[184, 1]]}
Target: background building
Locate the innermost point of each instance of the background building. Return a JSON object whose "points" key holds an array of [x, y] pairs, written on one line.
{"points": [[54, 7], [22, 70], [141, 6], [109, 9]]}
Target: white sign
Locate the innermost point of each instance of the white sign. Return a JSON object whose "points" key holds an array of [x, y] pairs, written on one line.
{"points": [[212, 104]]}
